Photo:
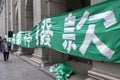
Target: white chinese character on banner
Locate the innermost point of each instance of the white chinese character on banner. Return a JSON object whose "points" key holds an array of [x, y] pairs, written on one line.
{"points": [[28, 39], [13, 39], [37, 35], [68, 35], [46, 32], [110, 20], [18, 38]]}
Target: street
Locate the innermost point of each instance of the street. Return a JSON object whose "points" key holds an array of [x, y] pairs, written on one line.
{"points": [[17, 69]]}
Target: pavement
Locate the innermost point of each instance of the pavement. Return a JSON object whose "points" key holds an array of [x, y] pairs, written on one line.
{"points": [[22, 68], [80, 69], [17, 69]]}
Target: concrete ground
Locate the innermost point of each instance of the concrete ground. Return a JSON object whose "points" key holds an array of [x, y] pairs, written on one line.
{"points": [[17, 69], [80, 73]]}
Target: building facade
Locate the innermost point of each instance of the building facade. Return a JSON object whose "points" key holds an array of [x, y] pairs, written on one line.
{"points": [[22, 15]]}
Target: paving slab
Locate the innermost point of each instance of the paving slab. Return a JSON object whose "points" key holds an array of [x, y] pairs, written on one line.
{"points": [[79, 74], [17, 69]]}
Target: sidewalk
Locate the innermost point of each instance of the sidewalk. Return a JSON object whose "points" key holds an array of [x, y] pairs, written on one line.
{"points": [[17, 69]]}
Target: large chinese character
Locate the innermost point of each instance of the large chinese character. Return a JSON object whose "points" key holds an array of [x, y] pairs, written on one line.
{"points": [[27, 39], [46, 33], [13, 39], [90, 36], [37, 35], [18, 38], [68, 35]]}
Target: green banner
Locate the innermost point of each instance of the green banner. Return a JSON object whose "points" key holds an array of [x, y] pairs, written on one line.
{"points": [[91, 32]]}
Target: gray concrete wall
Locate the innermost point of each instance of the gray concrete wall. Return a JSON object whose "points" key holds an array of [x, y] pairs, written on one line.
{"points": [[44, 9], [21, 15], [12, 15], [36, 11], [56, 7], [15, 27], [2, 20], [9, 21], [76, 4], [28, 14], [107, 68], [37, 19], [96, 1], [7, 15]]}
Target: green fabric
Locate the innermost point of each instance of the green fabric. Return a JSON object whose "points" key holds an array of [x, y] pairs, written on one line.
{"points": [[60, 78], [63, 70], [91, 32], [53, 68]]}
